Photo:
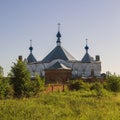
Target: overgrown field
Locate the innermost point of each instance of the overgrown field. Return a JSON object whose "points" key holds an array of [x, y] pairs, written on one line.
{"points": [[75, 105]]}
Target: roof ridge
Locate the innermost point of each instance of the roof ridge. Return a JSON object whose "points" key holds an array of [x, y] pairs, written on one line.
{"points": [[87, 58], [31, 58], [58, 53]]}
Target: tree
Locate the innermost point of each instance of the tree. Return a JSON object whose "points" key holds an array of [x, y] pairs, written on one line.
{"points": [[6, 90], [20, 79], [1, 72], [113, 83], [37, 84]]}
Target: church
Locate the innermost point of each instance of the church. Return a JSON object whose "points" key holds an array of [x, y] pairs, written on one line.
{"points": [[59, 65]]}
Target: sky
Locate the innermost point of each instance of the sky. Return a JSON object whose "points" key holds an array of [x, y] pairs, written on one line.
{"points": [[96, 20]]}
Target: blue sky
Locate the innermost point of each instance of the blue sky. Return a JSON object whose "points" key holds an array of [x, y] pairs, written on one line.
{"points": [[96, 20]]}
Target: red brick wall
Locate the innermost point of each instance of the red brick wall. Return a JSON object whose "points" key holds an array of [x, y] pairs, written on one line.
{"points": [[57, 76], [56, 88]]}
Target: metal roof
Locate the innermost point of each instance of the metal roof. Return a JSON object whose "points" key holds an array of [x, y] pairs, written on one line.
{"points": [[58, 65], [58, 53], [87, 58], [31, 58]]}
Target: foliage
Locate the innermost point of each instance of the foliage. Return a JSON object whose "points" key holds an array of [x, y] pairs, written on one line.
{"points": [[78, 85], [6, 90], [23, 85], [20, 79], [37, 85], [62, 106], [98, 87], [40, 82], [113, 83], [1, 72]]}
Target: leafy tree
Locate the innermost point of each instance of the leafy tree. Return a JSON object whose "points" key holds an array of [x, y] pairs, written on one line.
{"points": [[113, 83], [78, 85], [37, 84], [98, 87], [1, 72], [20, 79], [23, 85], [6, 90]]}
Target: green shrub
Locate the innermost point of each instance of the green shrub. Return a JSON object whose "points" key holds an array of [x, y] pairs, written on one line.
{"points": [[113, 83], [23, 85], [20, 79], [98, 87], [37, 85], [78, 85], [6, 90]]}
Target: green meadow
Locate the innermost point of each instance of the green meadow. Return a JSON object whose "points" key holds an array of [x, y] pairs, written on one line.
{"points": [[22, 98], [69, 105]]}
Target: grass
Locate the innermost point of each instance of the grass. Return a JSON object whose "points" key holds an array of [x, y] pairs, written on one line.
{"points": [[80, 105]]}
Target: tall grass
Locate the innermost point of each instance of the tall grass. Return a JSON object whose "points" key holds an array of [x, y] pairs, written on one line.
{"points": [[77, 105]]}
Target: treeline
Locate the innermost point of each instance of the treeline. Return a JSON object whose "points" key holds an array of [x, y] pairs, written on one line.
{"points": [[110, 84], [19, 83]]}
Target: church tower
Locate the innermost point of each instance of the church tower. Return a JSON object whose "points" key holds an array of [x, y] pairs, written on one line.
{"points": [[87, 58], [58, 52], [31, 58], [58, 35]]}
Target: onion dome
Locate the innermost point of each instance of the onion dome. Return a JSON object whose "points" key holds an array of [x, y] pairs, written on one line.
{"points": [[58, 35], [31, 57], [31, 48], [86, 47], [87, 58]]}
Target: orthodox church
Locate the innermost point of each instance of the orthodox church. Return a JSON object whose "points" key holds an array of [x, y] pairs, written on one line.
{"points": [[59, 65]]}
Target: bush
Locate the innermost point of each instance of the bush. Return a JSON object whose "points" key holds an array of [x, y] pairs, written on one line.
{"points": [[20, 79], [78, 85], [22, 84], [113, 83], [37, 85], [6, 90], [94, 87], [98, 87]]}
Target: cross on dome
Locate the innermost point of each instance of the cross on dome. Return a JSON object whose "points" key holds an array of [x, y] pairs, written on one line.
{"points": [[86, 47], [31, 48], [58, 35], [59, 27]]}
